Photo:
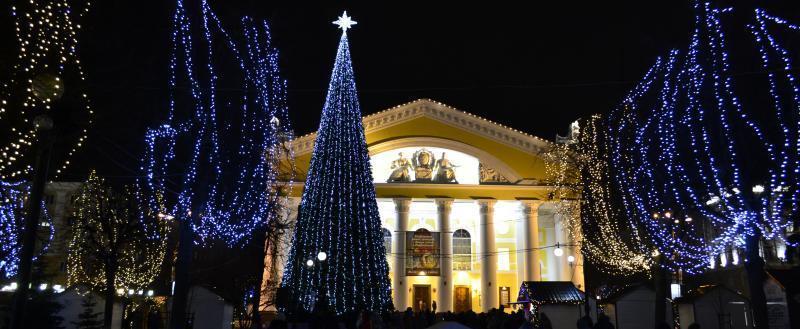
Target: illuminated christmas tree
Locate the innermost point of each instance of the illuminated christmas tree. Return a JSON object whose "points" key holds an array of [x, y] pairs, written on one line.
{"points": [[337, 259]]}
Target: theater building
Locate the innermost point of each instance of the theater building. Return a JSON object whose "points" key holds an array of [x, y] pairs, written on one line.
{"points": [[464, 208]]}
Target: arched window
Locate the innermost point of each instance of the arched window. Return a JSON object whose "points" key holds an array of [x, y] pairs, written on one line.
{"points": [[462, 250], [387, 240]]}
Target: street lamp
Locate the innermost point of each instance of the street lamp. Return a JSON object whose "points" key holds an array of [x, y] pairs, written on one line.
{"points": [[322, 256], [310, 263], [48, 88], [558, 251]]}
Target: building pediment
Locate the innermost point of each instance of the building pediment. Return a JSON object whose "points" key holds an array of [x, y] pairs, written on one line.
{"points": [[441, 113], [481, 151]]}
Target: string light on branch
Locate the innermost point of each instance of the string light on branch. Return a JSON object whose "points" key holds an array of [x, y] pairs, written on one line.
{"points": [[47, 69], [113, 232], [580, 167], [13, 207], [696, 144], [233, 142]]}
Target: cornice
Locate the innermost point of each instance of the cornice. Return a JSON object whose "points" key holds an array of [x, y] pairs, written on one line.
{"points": [[444, 114]]}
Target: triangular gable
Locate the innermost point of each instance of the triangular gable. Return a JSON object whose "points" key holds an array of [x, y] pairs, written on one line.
{"points": [[514, 154], [426, 108]]}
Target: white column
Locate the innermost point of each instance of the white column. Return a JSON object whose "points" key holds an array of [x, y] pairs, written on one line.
{"points": [[489, 290], [399, 284], [562, 268], [530, 224], [445, 292]]}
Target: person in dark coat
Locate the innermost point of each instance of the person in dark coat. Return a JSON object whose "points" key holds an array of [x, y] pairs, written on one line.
{"points": [[603, 322], [584, 323], [408, 318]]}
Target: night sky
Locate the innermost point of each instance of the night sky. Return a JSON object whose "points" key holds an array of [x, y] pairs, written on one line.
{"points": [[533, 68]]}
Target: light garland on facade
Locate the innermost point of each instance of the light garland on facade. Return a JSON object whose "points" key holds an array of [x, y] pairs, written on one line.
{"points": [[228, 182], [110, 222], [338, 214], [47, 36], [692, 148], [13, 198]]}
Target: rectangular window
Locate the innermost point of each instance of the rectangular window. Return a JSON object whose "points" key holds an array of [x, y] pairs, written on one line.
{"points": [[503, 259], [462, 253]]}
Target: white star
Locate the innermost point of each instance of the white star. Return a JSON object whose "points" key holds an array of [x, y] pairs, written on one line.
{"points": [[345, 22]]}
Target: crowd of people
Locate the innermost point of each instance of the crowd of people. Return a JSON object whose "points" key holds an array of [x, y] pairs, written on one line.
{"points": [[409, 319]]}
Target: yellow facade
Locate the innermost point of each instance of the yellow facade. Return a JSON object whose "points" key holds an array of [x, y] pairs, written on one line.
{"points": [[499, 197]]}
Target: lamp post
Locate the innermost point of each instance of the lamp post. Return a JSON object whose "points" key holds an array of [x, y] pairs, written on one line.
{"points": [[754, 267], [659, 271], [47, 88]]}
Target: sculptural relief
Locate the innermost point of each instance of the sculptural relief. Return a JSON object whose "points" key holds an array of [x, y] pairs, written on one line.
{"points": [[490, 175], [445, 170], [401, 170], [423, 166]]}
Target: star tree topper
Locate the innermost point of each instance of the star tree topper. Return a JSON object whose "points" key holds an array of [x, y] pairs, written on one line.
{"points": [[345, 22]]}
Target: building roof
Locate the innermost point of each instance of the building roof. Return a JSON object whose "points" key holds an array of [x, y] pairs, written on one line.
{"points": [[511, 162], [550, 292], [441, 112], [787, 278], [619, 294], [701, 291]]}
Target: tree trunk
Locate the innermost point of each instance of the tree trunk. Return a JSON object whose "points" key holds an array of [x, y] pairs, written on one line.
{"points": [[587, 307], [256, 318], [660, 288], [28, 240], [108, 309], [179, 299], [754, 266]]}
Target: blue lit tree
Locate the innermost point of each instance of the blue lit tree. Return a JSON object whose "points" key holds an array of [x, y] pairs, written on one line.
{"points": [[12, 215], [702, 142], [338, 213], [218, 135]]}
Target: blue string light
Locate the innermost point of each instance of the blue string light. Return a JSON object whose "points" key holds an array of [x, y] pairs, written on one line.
{"points": [[229, 177], [13, 196], [338, 213], [684, 142]]}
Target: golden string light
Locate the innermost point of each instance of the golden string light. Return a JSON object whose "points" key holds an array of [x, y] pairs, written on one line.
{"points": [[47, 37], [108, 222], [579, 169]]}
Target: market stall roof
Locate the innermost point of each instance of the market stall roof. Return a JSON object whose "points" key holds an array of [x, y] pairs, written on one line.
{"points": [[549, 292], [620, 293], [695, 294]]}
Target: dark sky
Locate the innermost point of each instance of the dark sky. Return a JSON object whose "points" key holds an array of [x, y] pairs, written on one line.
{"points": [[534, 68]]}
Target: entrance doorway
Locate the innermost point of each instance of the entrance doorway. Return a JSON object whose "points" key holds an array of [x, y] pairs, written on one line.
{"points": [[462, 299], [422, 297]]}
